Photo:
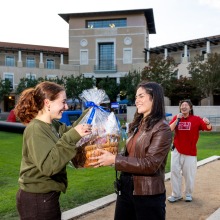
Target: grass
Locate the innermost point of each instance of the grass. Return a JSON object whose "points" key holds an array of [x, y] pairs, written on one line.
{"points": [[85, 185]]}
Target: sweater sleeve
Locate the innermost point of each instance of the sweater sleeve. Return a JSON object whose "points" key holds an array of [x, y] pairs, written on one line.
{"points": [[47, 153]]}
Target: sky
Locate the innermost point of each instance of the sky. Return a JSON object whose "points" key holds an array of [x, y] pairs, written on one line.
{"points": [[38, 22]]}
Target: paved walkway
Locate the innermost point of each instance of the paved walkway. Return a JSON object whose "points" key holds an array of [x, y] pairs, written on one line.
{"points": [[203, 199]]}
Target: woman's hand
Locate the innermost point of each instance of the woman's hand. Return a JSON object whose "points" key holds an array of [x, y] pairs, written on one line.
{"points": [[206, 120], [83, 129], [208, 124], [105, 159]]}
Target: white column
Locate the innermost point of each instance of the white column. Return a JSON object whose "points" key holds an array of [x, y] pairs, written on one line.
{"points": [[165, 53], [185, 50], [208, 49], [41, 57], [148, 56], [118, 80], [19, 56], [19, 62], [185, 57], [61, 59], [41, 64]]}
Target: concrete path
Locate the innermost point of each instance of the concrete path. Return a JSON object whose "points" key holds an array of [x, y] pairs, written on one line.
{"points": [[103, 208]]}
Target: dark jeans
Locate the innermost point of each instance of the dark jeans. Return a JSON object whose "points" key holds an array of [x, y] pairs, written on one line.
{"points": [[132, 207], [38, 206]]}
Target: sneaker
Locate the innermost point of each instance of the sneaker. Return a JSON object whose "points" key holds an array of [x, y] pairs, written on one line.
{"points": [[174, 199], [188, 199]]}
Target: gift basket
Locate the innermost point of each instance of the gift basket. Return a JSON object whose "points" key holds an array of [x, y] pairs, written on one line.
{"points": [[105, 128]]}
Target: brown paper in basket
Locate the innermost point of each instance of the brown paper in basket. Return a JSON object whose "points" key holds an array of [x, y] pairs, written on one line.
{"points": [[82, 158]]}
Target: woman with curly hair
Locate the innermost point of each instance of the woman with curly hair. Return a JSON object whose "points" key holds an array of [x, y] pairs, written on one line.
{"points": [[48, 146]]}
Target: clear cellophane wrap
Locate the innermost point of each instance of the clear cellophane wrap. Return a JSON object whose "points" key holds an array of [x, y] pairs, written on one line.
{"points": [[105, 129]]}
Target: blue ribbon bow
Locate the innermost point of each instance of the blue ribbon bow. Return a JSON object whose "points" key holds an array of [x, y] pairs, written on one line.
{"points": [[94, 107]]}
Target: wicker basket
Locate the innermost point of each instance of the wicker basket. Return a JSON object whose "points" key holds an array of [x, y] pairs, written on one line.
{"points": [[82, 158]]}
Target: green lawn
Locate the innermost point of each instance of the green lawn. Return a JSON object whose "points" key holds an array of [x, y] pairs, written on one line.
{"points": [[85, 185]]}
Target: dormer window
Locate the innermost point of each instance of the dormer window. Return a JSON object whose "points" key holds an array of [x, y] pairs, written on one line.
{"points": [[112, 23]]}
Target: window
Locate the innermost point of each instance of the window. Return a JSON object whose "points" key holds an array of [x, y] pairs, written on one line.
{"points": [[183, 54], [10, 61], [30, 62], [203, 51], [83, 57], [10, 77], [31, 76], [106, 56], [50, 64], [176, 74], [51, 77], [188, 56], [106, 23], [127, 55], [203, 54]]}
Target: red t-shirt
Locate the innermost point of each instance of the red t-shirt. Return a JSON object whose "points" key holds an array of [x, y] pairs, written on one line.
{"points": [[187, 134], [11, 117]]}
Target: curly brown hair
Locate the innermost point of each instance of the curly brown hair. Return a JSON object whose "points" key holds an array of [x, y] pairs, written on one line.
{"points": [[31, 100]]}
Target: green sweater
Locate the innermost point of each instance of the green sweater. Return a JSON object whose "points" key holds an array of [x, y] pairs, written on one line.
{"points": [[45, 154]]}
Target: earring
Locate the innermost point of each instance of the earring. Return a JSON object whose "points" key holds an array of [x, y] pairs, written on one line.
{"points": [[48, 108]]}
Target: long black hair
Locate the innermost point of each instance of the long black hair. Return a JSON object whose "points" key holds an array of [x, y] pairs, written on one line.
{"points": [[158, 108]]}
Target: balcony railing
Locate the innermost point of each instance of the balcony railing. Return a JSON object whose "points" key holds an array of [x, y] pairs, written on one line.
{"points": [[28, 65], [103, 68]]}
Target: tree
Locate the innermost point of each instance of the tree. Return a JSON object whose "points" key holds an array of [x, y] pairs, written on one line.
{"points": [[60, 81], [26, 83], [110, 86], [160, 70], [128, 85], [75, 85], [184, 88], [206, 75], [32, 82], [5, 88]]}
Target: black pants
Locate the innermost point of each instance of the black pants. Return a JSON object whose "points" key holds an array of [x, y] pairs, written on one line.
{"points": [[38, 206], [132, 207]]}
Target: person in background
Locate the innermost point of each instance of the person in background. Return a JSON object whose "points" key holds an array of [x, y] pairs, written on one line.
{"points": [[123, 132], [48, 146], [127, 127], [184, 150], [141, 189], [11, 117]]}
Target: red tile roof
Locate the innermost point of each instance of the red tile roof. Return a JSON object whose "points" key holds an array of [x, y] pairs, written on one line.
{"points": [[32, 48]]}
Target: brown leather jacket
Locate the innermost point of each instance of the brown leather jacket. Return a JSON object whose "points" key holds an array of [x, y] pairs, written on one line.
{"points": [[148, 165]]}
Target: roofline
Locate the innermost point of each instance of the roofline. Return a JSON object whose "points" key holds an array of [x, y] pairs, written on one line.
{"points": [[32, 48], [199, 42], [147, 12]]}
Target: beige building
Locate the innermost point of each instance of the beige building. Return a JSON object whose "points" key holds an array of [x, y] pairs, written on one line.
{"points": [[109, 43], [21, 60], [101, 44], [184, 52]]}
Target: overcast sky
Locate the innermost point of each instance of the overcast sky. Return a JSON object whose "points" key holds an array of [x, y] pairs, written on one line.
{"points": [[37, 22]]}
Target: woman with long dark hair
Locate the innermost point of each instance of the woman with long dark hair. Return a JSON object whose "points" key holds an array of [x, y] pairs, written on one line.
{"points": [[141, 188]]}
